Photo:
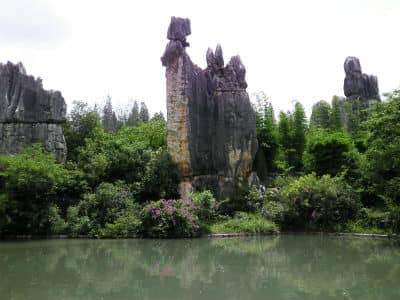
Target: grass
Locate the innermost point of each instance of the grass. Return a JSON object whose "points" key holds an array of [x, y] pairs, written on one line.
{"points": [[359, 227], [245, 223]]}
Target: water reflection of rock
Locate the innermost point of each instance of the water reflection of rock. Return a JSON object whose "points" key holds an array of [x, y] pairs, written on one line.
{"points": [[253, 268]]}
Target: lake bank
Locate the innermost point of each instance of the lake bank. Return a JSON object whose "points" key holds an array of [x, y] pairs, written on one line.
{"points": [[213, 236]]}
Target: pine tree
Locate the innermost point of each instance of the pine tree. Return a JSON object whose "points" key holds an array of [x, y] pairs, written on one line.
{"points": [[109, 119], [144, 113], [133, 118]]}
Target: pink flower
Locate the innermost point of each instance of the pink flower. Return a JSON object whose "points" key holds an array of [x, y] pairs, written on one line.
{"points": [[314, 214], [157, 212]]}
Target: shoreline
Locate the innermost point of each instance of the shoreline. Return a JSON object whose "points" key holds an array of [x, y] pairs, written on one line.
{"points": [[209, 236]]}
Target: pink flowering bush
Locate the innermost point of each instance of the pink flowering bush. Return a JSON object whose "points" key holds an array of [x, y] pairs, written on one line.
{"points": [[170, 219]]}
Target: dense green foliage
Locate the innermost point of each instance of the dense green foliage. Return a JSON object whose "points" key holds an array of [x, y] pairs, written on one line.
{"points": [[329, 152], [267, 134], [318, 202], [245, 223], [339, 172]]}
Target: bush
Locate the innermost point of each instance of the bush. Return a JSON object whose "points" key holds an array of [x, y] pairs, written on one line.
{"points": [[55, 223], [274, 211], [319, 202], [33, 183], [373, 218], [77, 224], [205, 206], [245, 223], [110, 210], [370, 220], [127, 225], [170, 219], [394, 219], [254, 199], [136, 155]]}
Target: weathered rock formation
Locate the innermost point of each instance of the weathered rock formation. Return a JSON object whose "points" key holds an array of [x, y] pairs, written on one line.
{"points": [[211, 123], [28, 113], [358, 85]]}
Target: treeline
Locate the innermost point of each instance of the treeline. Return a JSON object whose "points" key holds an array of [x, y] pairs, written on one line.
{"points": [[111, 120], [353, 144], [340, 171]]}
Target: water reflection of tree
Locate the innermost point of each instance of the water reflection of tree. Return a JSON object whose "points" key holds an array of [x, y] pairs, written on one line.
{"points": [[253, 268]]}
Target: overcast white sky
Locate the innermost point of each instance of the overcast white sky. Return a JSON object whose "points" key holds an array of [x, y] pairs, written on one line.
{"points": [[291, 49]]}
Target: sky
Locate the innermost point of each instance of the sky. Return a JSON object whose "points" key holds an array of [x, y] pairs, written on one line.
{"points": [[292, 49]]}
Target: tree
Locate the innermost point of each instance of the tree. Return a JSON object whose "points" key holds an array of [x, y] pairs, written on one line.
{"points": [[133, 118], [330, 152], [285, 127], [299, 135], [82, 123], [267, 135], [382, 164], [33, 185], [320, 115], [335, 118], [144, 113], [109, 119], [158, 117]]}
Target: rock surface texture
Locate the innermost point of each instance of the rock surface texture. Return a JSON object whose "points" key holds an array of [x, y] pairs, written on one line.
{"points": [[28, 113], [358, 85], [211, 123]]}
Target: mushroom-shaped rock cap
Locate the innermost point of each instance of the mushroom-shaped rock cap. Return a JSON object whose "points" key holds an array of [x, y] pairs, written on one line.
{"points": [[352, 65], [178, 29]]}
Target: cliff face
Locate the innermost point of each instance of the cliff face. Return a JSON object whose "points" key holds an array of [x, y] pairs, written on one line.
{"points": [[28, 113], [358, 85], [211, 123]]}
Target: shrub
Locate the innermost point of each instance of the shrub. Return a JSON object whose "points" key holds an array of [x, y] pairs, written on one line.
{"points": [[77, 224], [205, 206], [32, 186], [136, 155], [56, 224], [394, 219], [319, 202], [170, 219], [127, 225], [245, 223], [274, 211], [370, 220], [254, 199], [373, 218], [111, 206]]}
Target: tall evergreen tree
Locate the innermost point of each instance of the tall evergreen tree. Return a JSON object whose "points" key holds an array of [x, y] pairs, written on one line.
{"points": [[109, 119], [299, 135], [158, 117], [133, 118], [285, 127], [267, 135], [320, 116], [144, 113], [335, 119]]}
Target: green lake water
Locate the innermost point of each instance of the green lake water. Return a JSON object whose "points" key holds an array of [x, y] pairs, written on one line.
{"points": [[282, 267]]}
